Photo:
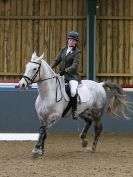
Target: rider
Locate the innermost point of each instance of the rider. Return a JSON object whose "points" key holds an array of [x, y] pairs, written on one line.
{"points": [[69, 57]]}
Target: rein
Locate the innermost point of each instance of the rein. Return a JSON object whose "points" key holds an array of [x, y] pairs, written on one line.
{"points": [[40, 80]]}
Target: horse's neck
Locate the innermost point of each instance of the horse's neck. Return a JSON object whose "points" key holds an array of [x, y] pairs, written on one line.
{"points": [[46, 70], [48, 82], [45, 87]]}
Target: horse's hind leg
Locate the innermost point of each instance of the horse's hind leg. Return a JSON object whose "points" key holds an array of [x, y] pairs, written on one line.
{"points": [[98, 129], [39, 147], [88, 122]]}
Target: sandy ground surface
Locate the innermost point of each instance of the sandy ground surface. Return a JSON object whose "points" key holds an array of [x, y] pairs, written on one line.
{"points": [[64, 157]]}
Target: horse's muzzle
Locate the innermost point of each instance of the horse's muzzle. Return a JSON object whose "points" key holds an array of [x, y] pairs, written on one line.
{"points": [[22, 83]]}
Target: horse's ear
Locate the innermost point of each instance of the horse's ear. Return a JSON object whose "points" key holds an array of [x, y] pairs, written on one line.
{"points": [[42, 56], [33, 55], [39, 59]]}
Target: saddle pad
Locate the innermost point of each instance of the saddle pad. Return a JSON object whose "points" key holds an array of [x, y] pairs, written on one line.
{"points": [[82, 90]]}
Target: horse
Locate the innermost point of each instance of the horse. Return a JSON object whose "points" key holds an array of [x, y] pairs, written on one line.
{"points": [[52, 101]]}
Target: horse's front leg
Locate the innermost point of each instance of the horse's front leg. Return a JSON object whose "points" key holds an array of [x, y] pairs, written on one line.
{"points": [[39, 147]]}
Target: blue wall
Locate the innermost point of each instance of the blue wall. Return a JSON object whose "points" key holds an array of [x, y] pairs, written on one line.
{"points": [[17, 114]]}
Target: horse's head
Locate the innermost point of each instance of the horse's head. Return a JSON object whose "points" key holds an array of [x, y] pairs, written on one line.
{"points": [[32, 71]]}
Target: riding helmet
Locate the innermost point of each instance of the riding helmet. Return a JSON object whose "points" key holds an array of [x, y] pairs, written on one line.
{"points": [[73, 35]]}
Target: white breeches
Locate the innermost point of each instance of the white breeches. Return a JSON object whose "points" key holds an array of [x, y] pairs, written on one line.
{"points": [[73, 85]]}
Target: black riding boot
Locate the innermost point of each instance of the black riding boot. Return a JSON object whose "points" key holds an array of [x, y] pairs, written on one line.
{"points": [[74, 107]]}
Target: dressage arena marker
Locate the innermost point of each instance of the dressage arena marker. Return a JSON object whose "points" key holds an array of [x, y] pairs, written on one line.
{"points": [[6, 86], [18, 136]]}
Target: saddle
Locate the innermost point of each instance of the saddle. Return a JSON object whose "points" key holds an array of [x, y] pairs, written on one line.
{"points": [[80, 96], [63, 90]]}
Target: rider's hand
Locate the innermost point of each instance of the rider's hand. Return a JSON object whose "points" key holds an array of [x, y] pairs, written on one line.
{"points": [[62, 72]]}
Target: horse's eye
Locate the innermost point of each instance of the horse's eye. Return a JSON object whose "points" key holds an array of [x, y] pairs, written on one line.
{"points": [[34, 69]]}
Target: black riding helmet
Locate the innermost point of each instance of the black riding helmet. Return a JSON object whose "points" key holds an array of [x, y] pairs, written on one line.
{"points": [[73, 35]]}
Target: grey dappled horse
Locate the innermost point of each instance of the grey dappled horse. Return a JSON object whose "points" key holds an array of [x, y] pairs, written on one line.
{"points": [[52, 101]]}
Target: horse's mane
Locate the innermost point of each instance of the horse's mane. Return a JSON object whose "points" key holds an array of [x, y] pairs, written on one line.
{"points": [[48, 66]]}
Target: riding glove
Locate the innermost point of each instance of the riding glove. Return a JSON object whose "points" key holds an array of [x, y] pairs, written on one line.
{"points": [[62, 72]]}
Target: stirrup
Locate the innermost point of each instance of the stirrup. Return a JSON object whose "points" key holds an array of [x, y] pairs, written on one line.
{"points": [[75, 115]]}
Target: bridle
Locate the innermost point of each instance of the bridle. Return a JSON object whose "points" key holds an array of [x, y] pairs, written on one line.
{"points": [[27, 79]]}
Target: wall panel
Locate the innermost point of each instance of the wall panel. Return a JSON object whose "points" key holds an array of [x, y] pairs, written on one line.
{"points": [[38, 25], [115, 41]]}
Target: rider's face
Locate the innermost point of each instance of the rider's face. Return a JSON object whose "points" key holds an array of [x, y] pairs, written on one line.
{"points": [[72, 42]]}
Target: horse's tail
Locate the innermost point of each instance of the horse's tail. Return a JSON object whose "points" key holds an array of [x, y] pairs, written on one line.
{"points": [[117, 100]]}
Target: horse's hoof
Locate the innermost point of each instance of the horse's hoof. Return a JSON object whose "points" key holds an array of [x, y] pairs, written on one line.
{"points": [[84, 143], [90, 149], [36, 153]]}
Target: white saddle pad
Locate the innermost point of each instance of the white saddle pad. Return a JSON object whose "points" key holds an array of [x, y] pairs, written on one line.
{"points": [[82, 90]]}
